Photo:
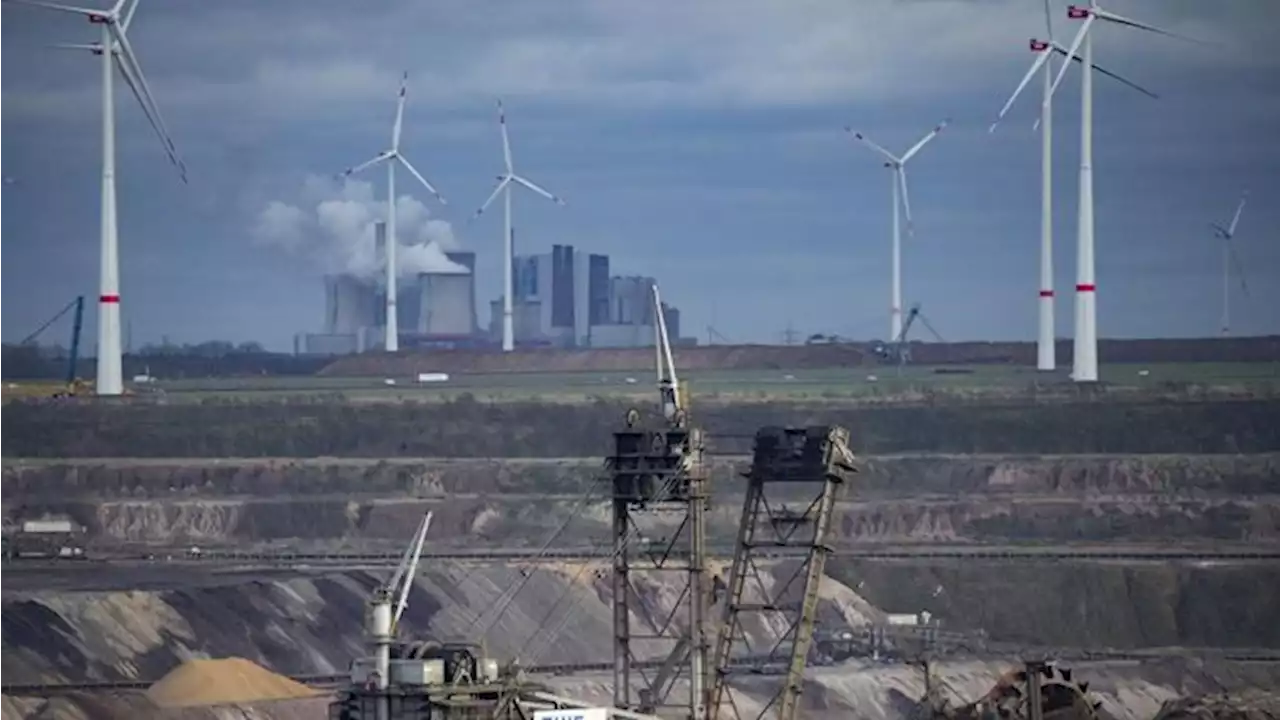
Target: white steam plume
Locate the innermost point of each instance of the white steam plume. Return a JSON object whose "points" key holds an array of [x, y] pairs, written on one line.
{"points": [[333, 223]]}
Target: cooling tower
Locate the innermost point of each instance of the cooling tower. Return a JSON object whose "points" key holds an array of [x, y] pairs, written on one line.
{"points": [[448, 304], [350, 304]]}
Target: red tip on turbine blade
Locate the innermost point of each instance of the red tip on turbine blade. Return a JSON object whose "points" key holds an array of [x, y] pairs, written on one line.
{"points": [[1046, 293], [1086, 287], [109, 299]]}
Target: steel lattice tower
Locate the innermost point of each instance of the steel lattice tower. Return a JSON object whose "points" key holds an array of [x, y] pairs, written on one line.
{"points": [[783, 459], [660, 471]]}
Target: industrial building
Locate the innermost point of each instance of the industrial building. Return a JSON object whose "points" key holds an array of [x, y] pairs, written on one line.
{"points": [[434, 309], [566, 298], [563, 298]]}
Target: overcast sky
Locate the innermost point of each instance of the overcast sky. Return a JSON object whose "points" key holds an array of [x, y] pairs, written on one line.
{"points": [[698, 142]]}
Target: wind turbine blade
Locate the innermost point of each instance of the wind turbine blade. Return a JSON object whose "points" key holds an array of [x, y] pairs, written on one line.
{"points": [[368, 163], [132, 82], [532, 186], [101, 15], [1220, 231], [1130, 22], [1048, 20], [506, 142], [506, 179], [1235, 220], [1041, 59], [871, 144], [1071, 55], [925, 140], [1114, 76], [906, 198], [128, 14], [95, 47], [395, 130], [129, 59], [1238, 266], [414, 172]]}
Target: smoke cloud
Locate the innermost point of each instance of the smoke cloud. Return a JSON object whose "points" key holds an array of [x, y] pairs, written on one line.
{"points": [[333, 224]]}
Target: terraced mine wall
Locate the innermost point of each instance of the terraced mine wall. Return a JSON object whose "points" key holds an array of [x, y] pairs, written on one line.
{"points": [[515, 502], [469, 428], [353, 504]]}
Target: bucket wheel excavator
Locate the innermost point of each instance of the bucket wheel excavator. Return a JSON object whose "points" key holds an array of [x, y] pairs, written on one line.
{"points": [[1036, 691]]}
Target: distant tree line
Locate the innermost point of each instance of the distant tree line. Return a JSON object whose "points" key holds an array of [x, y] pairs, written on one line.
{"points": [[216, 358]]}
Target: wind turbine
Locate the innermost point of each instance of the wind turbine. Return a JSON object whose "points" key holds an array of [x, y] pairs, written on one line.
{"points": [[504, 183], [1046, 359], [110, 377], [1229, 258], [1085, 352], [391, 157], [899, 184]]}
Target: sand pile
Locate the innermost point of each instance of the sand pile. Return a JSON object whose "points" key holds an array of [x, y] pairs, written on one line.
{"points": [[223, 682]]}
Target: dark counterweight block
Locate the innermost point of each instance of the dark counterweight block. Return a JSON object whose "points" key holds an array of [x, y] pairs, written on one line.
{"points": [[807, 454], [653, 466]]}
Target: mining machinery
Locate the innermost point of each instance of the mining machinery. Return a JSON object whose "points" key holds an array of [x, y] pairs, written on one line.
{"points": [[899, 351], [806, 466], [657, 471], [1038, 690], [71, 385], [423, 679]]}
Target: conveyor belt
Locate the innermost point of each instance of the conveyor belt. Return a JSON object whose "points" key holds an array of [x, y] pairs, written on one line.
{"points": [[987, 552], [747, 665]]}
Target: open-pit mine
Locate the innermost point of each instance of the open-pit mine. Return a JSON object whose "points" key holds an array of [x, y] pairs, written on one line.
{"points": [[1078, 558]]}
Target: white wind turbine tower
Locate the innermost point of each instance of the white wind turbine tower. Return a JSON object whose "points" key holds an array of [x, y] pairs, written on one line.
{"points": [[504, 183], [1046, 359], [391, 157], [1227, 235], [903, 200], [1085, 356], [110, 376]]}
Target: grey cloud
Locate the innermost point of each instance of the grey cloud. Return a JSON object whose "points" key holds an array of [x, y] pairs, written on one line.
{"points": [[293, 58]]}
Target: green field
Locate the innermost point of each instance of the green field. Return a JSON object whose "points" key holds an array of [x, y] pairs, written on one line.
{"points": [[830, 384]]}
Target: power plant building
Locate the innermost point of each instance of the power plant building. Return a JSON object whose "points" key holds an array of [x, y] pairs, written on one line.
{"points": [[562, 298], [566, 298]]}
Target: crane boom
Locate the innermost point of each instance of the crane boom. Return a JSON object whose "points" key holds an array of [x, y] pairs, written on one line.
{"points": [[673, 405]]}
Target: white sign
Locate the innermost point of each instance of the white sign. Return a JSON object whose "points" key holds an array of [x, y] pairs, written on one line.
{"points": [[596, 713]]}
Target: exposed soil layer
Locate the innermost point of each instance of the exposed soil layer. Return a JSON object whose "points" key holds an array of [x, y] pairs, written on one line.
{"points": [[468, 428], [904, 499], [873, 691], [882, 476], [311, 625], [1082, 603]]}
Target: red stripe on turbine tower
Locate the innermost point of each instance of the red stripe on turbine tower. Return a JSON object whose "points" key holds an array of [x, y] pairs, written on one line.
{"points": [[109, 298], [1086, 288]]}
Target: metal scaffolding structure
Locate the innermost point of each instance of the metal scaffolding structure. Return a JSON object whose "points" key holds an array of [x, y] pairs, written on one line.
{"points": [[660, 472], [784, 459]]}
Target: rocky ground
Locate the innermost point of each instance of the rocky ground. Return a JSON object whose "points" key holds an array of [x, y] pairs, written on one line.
{"points": [[336, 503], [292, 492], [311, 625]]}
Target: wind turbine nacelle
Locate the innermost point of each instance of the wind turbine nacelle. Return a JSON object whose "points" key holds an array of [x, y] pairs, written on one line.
{"points": [[1077, 13], [96, 20], [1038, 45]]}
